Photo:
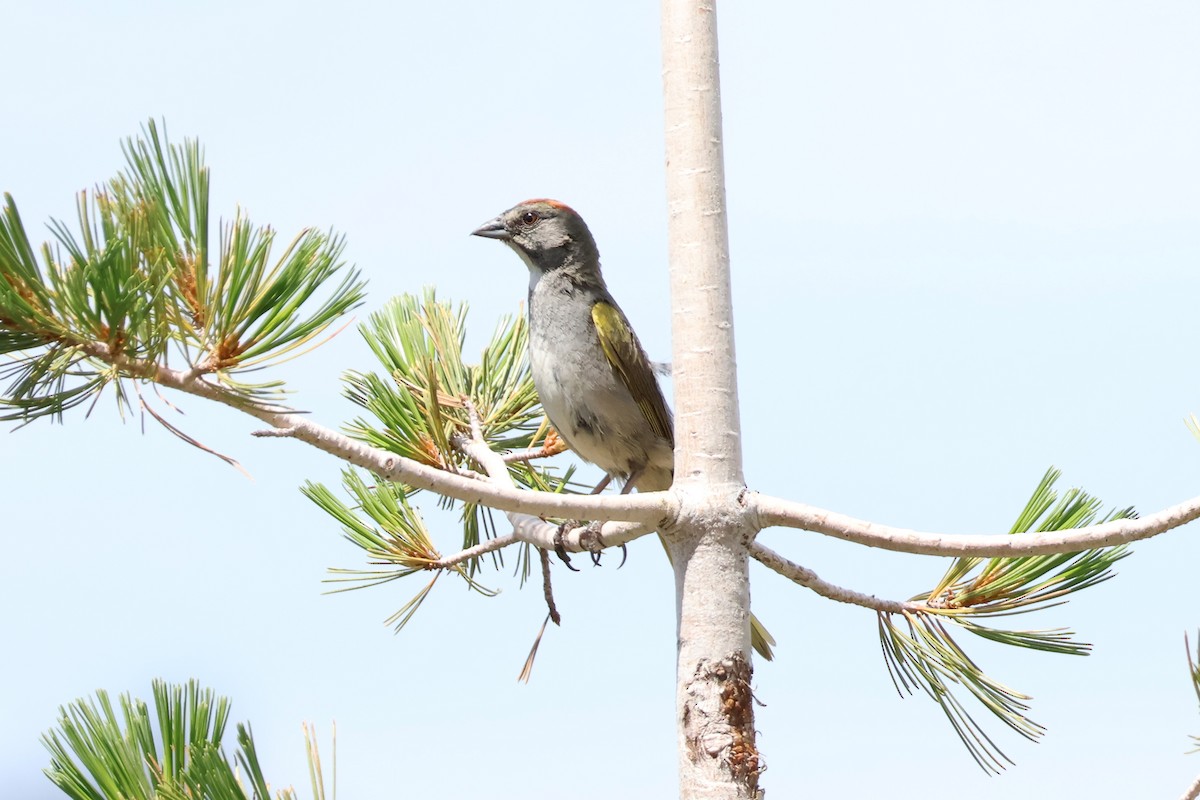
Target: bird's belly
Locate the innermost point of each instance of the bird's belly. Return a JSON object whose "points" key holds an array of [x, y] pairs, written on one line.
{"points": [[591, 410]]}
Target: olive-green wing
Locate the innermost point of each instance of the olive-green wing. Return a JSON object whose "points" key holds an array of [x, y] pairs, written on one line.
{"points": [[626, 356]]}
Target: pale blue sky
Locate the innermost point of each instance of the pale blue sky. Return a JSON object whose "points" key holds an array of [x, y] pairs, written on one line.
{"points": [[964, 243]]}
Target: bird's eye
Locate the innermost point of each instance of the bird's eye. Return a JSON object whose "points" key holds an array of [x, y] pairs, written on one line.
{"points": [[529, 217]]}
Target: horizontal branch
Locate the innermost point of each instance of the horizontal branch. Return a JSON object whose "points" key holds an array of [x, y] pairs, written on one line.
{"points": [[809, 580], [774, 511], [649, 509], [637, 514]]}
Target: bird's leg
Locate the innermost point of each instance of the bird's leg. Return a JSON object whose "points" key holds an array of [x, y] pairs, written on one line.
{"points": [[600, 487], [626, 489], [567, 525], [561, 551], [594, 543]]}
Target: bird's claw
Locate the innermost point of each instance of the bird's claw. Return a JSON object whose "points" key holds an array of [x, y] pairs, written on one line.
{"points": [[561, 551], [596, 555], [596, 546], [590, 539]]}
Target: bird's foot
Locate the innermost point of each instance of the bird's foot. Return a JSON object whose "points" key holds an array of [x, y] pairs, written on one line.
{"points": [[561, 551], [595, 545], [589, 539]]}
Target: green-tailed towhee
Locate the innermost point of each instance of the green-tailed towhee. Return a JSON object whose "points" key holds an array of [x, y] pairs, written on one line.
{"points": [[596, 384]]}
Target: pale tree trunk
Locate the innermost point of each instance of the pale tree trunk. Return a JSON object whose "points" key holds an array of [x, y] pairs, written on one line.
{"points": [[717, 753]]}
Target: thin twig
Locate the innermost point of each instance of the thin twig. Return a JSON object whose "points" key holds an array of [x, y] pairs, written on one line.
{"points": [[528, 454], [230, 460], [551, 616], [552, 445], [476, 448], [546, 588], [809, 580], [480, 549], [273, 433], [473, 417]]}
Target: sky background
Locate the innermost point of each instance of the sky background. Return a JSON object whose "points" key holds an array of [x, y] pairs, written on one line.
{"points": [[964, 248]]}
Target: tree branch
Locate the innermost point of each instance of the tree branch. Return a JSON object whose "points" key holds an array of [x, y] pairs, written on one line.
{"points": [[629, 516], [650, 510], [483, 548], [774, 511], [809, 580]]}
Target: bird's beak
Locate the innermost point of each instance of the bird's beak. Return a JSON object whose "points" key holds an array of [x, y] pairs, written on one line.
{"points": [[492, 229]]}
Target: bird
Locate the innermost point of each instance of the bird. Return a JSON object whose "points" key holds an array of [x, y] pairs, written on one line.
{"points": [[596, 384]]}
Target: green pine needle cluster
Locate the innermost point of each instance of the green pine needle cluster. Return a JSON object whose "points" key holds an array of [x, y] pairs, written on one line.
{"points": [[398, 541], [920, 650], [423, 405], [420, 402], [174, 754], [137, 284]]}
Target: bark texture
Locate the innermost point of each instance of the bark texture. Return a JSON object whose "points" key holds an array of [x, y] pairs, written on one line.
{"points": [[718, 756]]}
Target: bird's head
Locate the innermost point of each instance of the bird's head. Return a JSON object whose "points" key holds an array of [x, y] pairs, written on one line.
{"points": [[546, 234]]}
